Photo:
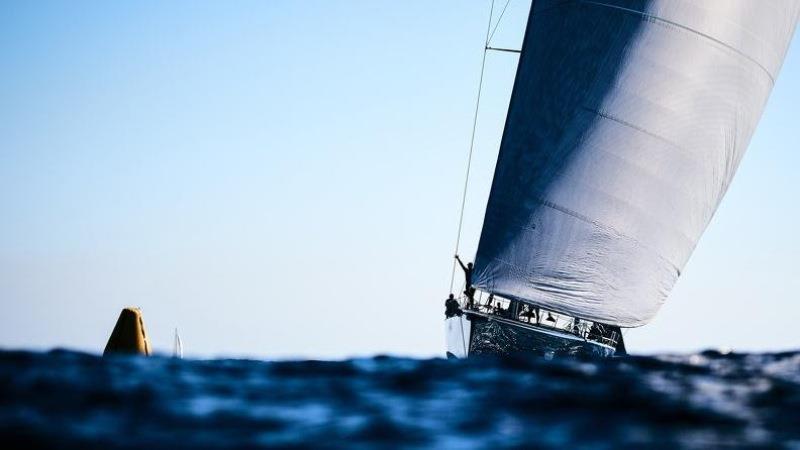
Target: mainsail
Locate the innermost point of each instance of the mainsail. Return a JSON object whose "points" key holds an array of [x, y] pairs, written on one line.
{"points": [[626, 124]]}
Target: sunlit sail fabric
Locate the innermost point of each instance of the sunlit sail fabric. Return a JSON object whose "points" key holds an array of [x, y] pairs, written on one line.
{"points": [[627, 122]]}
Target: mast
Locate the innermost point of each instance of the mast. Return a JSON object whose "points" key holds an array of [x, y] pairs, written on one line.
{"points": [[626, 124]]}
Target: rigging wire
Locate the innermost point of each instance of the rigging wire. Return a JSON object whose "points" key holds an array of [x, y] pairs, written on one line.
{"points": [[472, 142], [499, 19]]}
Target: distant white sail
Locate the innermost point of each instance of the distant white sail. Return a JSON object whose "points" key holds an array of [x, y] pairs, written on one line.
{"points": [[627, 122], [177, 347]]}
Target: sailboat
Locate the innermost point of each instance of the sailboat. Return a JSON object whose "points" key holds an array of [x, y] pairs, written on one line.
{"points": [[177, 346], [626, 124]]}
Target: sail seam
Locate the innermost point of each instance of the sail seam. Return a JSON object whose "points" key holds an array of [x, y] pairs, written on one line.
{"points": [[653, 18], [601, 226], [655, 136], [635, 127]]}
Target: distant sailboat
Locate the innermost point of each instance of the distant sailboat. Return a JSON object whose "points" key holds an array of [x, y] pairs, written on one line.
{"points": [[177, 346], [626, 124]]}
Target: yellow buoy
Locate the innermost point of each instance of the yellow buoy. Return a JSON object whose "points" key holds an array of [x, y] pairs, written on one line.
{"points": [[128, 335]]}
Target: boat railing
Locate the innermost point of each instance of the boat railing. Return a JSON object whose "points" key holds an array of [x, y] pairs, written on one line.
{"points": [[542, 318]]}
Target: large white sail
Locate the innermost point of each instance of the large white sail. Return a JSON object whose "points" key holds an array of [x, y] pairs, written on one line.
{"points": [[627, 122]]}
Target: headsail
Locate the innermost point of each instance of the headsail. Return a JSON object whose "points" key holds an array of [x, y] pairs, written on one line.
{"points": [[627, 122]]}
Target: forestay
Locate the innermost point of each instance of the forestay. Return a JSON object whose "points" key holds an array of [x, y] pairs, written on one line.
{"points": [[627, 122]]}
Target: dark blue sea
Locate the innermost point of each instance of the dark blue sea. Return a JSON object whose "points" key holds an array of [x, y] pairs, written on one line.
{"points": [[65, 399]]}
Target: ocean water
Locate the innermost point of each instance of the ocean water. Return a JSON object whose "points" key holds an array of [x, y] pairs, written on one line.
{"points": [[73, 400]]}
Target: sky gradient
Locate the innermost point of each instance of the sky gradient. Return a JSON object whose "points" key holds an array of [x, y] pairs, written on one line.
{"points": [[282, 179]]}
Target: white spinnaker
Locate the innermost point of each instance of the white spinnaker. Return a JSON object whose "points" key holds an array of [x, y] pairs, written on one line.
{"points": [[626, 125]]}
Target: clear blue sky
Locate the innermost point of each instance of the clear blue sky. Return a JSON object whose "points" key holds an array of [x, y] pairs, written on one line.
{"points": [[282, 179]]}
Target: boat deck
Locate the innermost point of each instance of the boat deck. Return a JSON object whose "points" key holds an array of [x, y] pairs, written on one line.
{"points": [[539, 328]]}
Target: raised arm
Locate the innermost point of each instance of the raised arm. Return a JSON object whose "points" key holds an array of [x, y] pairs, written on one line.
{"points": [[463, 267]]}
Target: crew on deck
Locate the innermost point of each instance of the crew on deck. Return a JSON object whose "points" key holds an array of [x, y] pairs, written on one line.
{"points": [[528, 314], [488, 304], [451, 307], [500, 311], [469, 290]]}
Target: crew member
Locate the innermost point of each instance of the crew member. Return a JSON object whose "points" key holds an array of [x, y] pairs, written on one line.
{"points": [[528, 313], [451, 307], [469, 291]]}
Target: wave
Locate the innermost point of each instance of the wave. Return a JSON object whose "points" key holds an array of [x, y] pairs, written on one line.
{"points": [[66, 399]]}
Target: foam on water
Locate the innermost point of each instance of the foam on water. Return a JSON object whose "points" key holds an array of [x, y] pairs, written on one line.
{"points": [[66, 399]]}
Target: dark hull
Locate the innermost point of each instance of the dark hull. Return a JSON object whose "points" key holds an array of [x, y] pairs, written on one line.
{"points": [[494, 336]]}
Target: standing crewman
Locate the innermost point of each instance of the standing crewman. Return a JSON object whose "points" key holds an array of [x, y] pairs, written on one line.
{"points": [[469, 291]]}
